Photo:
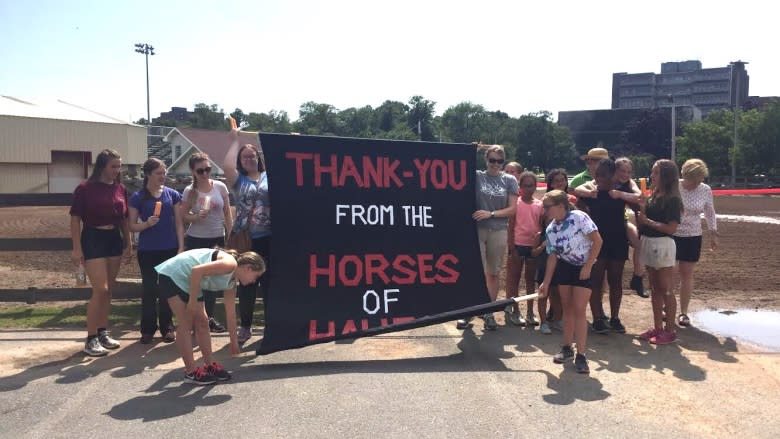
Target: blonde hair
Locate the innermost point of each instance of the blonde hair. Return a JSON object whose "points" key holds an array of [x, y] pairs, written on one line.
{"points": [[558, 197], [694, 170], [515, 165], [254, 260]]}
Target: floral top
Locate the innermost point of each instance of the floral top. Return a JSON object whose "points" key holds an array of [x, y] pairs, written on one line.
{"points": [[569, 238], [253, 208]]}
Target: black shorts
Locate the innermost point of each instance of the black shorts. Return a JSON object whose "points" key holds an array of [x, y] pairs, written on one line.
{"points": [[568, 274], [168, 289], [99, 243], [524, 251], [688, 248]]}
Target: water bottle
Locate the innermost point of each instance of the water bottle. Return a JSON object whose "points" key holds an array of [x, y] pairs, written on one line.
{"points": [[81, 276]]}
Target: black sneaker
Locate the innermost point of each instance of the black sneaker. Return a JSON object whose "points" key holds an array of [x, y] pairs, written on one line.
{"points": [[581, 364], [215, 326], [616, 326], [637, 285], [600, 326], [217, 371], [566, 354], [200, 377]]}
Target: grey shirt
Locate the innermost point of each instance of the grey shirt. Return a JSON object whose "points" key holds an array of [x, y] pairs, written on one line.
{"points": [[493, 194]]}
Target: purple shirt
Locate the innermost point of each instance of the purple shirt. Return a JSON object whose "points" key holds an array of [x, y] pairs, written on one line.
{"points": [[161, 236]]}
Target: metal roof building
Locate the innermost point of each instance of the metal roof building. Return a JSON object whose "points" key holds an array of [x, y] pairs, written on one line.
{"points": [[49, 147]]}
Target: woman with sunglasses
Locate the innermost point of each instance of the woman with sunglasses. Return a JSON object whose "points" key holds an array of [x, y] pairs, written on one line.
{"points": [[496, 202], [160, 237], [206, 207], [573, 243], [245, 173]]}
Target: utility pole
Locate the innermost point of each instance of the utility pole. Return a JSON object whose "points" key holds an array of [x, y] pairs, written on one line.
{"points": [[147, 50]]}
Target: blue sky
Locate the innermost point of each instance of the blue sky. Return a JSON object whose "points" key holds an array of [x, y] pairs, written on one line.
{"points": [[514, 56]]}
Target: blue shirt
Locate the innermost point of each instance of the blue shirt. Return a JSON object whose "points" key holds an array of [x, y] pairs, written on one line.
{"points": [[161, 236], [179, 269]]}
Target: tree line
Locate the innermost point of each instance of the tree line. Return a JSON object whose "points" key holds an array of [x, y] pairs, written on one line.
{"points": [[535, 140]]}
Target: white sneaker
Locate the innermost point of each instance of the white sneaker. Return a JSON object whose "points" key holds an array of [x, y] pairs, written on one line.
{"points": [[513, 316], [105, 340], [530, 319], [545, 328], [93, 348]]}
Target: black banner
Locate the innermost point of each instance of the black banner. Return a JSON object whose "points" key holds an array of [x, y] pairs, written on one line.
{"points": [[369, 236]]}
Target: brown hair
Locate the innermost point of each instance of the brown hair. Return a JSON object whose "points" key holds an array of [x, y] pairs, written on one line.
{"points": [[669, 178], [102, 160], [254, 260], [260, 159], [558, 196], [194, 160], [149, 166]]}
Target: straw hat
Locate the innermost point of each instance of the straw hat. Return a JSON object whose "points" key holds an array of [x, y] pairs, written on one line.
{"points": [[596, 153]]}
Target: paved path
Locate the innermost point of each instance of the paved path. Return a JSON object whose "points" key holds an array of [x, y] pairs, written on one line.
{"points": [[428, 382]]}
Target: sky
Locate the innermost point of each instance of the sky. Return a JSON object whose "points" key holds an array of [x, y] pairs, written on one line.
{"points": [[515, 56]]}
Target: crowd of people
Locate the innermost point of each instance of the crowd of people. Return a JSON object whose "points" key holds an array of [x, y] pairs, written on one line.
{"points": [[575, 240], [566, 245]]}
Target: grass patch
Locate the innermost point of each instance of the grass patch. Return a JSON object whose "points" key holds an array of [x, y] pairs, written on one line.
{"points": [[125, 314]]}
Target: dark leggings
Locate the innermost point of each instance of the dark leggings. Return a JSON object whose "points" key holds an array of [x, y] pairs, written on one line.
{"points": [[248, 294], [191, 242], [152, 305], [614, 273]]}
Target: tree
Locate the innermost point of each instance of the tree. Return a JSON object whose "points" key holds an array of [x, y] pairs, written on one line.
{"points": [[390, 114], [239, 116], [273, 122], [318, 119], [420, 117], [464, 123], [358, 122], [208, 117], [541, 143]]}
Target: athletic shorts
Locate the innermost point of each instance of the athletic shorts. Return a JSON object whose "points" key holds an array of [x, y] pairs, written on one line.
{"points": [[168, 289], [524, 251], [492, 247], [658, 252], [568, 274], [688, 248], [99, 243]]}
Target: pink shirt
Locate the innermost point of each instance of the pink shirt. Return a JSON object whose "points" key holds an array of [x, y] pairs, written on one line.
{"points": [[528, 222]]}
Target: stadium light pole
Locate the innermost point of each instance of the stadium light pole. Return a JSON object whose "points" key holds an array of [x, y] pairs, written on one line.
{"points": [[147, 50], [673, 154]]}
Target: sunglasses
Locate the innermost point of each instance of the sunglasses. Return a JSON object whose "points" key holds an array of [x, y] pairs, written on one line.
{"points": [[249, 157], [496, 161], [205, 170]]}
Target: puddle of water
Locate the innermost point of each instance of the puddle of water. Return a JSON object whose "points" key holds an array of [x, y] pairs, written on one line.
{"points": [[747, 219], [757, 327]]}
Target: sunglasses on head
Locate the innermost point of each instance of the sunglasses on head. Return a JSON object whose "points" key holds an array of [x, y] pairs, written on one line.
{"points": [[205, 170], [496, 161]]}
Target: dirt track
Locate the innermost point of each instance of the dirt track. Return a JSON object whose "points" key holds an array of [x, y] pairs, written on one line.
{"points": [[745, 271]]}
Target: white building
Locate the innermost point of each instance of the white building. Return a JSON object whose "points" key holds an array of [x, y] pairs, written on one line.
{"points": [[50, 147]]}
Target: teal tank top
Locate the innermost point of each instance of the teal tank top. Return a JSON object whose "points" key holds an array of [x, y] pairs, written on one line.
{"points": [[179, 268]]}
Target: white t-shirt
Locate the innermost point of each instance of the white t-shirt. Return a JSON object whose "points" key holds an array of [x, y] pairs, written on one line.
{"points": [[213, 226], [695, 202]]}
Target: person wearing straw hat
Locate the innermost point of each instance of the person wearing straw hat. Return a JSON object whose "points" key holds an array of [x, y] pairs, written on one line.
{"points": [[591, 159]]}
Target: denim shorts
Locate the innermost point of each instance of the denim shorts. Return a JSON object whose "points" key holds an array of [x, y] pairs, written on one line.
{"points": [[99, 243]]}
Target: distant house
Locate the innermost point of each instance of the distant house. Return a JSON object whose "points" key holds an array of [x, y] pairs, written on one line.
{"points": [[184, 142], [51, 146]]}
